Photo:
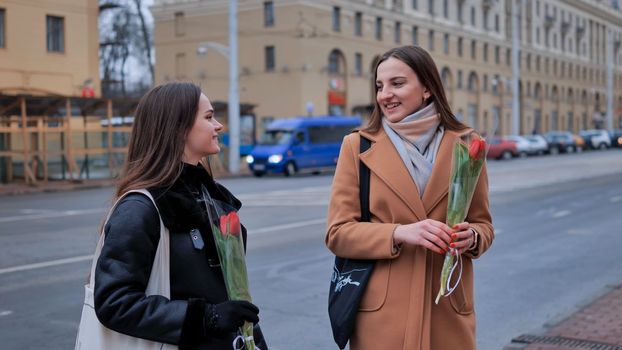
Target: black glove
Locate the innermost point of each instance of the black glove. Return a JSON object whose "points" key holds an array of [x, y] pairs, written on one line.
{"points": [[229, 315]]}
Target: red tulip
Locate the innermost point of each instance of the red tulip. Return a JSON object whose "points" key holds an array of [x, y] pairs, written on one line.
{"points": [[234, 223], [477, 148], [223, 225], [230, 224]]}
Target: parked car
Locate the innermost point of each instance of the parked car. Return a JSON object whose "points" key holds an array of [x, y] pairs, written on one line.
{"points": [[596, 139], [523, 146], [501, 148], [303, 143], [580, 142], [538, 144], [616, 138], [560, 142]]}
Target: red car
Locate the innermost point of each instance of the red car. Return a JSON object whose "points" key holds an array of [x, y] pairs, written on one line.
{"points": [[501, 148]]}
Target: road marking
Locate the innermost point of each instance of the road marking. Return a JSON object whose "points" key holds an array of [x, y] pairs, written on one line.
{"points": [[615, 199], [561, 214], [45, 264], [89, 257], [287, 226], [5, 313], [58, 214]]}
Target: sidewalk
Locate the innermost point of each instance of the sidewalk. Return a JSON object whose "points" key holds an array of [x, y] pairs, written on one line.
{"points": [[597, 326]]}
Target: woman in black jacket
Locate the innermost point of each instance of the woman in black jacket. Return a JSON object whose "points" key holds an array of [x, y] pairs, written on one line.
{"points": [[174, 131]]}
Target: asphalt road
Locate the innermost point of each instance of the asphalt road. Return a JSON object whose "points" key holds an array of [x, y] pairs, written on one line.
{"points": [[557, 221]]}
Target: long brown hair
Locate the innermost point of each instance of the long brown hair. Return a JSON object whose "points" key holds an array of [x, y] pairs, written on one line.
{"points": [[163, 118], [420, 61]]}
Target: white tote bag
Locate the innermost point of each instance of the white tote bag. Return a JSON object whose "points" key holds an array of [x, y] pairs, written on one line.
{"points": [[92, 335]]}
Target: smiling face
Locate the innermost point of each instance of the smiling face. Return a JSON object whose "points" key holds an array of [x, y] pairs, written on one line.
{"points": [[399, 92], [202, 139]]}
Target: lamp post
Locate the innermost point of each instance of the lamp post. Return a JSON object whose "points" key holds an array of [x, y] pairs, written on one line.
{"points": [[233, 106]]}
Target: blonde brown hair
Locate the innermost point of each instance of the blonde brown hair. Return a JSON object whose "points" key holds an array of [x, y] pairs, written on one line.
{"points": [[163, 118], [420, 61]]}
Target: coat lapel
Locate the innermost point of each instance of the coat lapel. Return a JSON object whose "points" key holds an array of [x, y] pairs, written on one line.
{"points": [[384, 161], [438, 184]]}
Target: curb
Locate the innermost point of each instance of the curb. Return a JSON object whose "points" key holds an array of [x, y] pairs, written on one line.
{"points": [[544, 336]]}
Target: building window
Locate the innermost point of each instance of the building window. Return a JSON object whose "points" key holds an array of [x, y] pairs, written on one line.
{"points": [[485, 53], [180, 65], [537, 8], [268, 14], [459, 83], [461, 12], [431, 7], [358, 24], [446, 44], [538, 35], [415, 4], [446, 9], [497, 54], [180, 28], [485, 83], [473, 16], [528, 59], [333, 62], [508, 53], [415, 35], [337, 18], [497, 27], [270, 59], [473, 49], [2, 44], [485, 18], [537, 63], [431, 40], [460, 47], [398, 32], [378, 28], [358, 64], [55, 34]]}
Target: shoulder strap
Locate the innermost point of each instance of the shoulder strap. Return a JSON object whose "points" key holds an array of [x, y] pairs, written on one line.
{"points": [[364, 182], [159, 280]]}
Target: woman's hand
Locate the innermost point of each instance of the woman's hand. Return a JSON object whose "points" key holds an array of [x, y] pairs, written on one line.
{"points": [[431, 234], [463, 237]]}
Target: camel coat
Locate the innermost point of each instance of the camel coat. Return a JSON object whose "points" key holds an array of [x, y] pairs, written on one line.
{"points": [[397, 310]]}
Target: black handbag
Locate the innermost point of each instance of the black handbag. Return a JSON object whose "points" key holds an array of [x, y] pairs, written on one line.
{"points": [[350, 276]]}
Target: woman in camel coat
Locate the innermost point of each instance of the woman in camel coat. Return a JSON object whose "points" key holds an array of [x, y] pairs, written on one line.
{"points": [[412, 133]]}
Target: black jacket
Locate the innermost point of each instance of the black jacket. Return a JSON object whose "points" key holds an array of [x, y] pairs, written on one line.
{"points": [[123, 269]]}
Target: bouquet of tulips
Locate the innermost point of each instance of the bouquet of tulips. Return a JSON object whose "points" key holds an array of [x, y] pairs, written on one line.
{"points": [[226, 229], [466, 166]]}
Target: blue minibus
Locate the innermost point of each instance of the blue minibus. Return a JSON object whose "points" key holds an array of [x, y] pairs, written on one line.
{"points": [[293, 145]]}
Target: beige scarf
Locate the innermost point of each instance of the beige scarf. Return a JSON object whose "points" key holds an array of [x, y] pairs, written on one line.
{"points": [[417, 138]]}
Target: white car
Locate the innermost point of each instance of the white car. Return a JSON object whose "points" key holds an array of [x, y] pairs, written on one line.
{"points": [[538, 144], [596, 139], [523, 146]]}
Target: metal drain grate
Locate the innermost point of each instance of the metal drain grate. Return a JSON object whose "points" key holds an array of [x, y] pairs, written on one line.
{"points": [[575, 343]]}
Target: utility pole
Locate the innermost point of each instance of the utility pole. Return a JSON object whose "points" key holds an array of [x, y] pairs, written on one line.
{"points": [[234, 98], [515, 67], [609, 43]]}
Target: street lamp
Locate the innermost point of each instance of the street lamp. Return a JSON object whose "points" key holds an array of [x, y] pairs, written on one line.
{"points": [[233, 106]]}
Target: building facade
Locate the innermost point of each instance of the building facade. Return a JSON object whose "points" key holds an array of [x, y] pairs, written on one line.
{"points": [[301, 57], [49, 47]]}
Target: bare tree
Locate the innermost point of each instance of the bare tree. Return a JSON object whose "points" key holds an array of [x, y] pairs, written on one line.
{"points": [[124, 35], [146, 36]]}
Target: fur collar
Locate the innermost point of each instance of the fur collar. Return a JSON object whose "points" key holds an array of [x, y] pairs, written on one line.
{"points": [[178, 204]]}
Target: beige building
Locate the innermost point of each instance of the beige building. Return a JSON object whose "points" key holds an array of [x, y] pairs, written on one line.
{"points": [[49, 47], [298, 57]]}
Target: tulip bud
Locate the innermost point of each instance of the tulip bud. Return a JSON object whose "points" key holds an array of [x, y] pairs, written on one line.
{"points": [[234, 223]]}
